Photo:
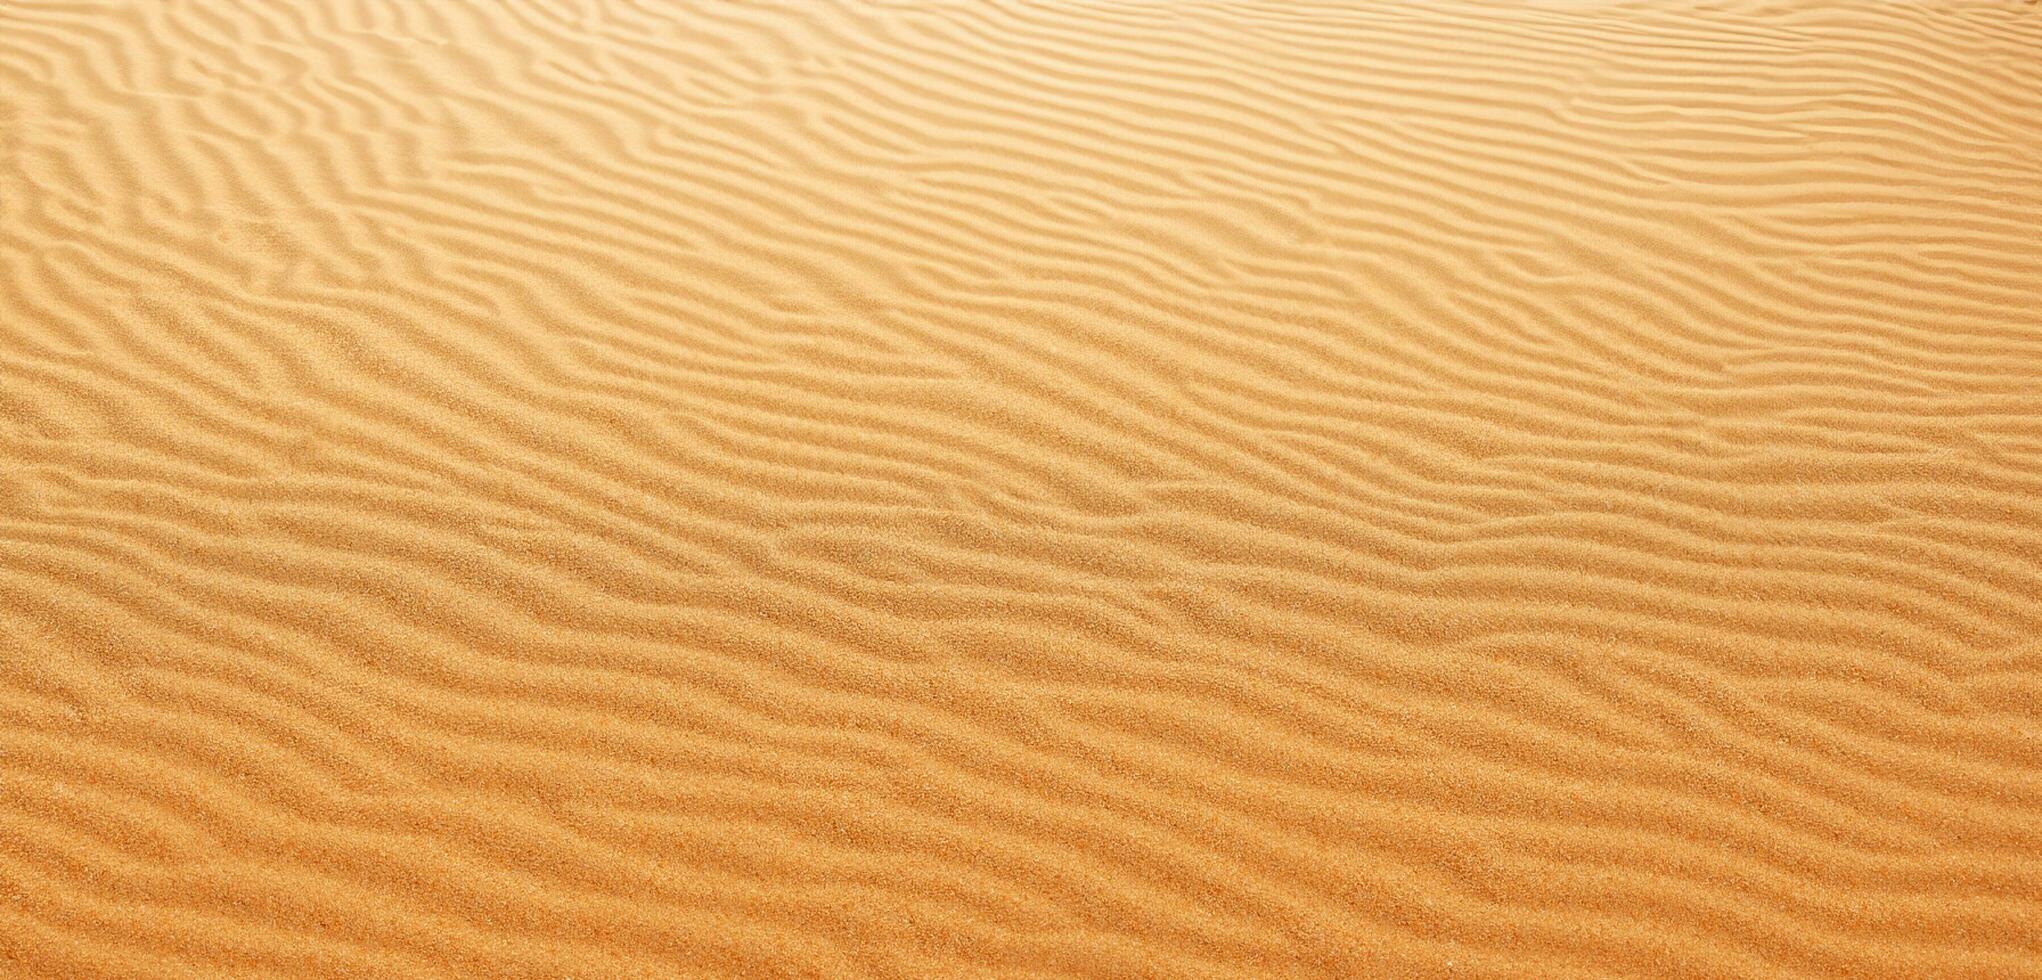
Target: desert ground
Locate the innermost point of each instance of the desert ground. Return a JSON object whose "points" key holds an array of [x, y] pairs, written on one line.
{"points": [[1020, 488]]}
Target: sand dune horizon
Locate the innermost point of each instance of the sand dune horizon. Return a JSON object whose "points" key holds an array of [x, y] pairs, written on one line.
{"points": [[603, 488]]}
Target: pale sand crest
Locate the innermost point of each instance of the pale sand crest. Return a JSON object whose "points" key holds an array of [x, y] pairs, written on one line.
{"points": [[562, 488]]}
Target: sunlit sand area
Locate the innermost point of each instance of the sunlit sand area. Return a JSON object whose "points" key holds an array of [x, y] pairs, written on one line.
{"points": [[1020, 488]]}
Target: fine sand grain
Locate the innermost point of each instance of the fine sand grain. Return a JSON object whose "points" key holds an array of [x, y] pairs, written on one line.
{"points": [[1175, 488]]}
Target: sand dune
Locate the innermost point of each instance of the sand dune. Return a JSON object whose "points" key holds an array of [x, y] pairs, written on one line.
{"points": [[1059, 488]]}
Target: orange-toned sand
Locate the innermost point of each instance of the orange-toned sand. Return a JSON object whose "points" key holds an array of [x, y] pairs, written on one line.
{"points": [[617, 488]]}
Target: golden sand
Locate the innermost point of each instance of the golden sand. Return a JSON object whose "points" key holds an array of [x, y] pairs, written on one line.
{"points": [[616, 488]]}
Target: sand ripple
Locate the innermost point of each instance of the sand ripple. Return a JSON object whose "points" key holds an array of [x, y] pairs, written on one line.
{"points": [[1077, 488]]}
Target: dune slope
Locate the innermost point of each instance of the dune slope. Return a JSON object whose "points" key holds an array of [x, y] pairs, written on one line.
{"points": [[607, 488]]}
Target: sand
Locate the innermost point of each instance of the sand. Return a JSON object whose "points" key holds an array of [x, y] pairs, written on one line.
{"points": [[613, 488]]}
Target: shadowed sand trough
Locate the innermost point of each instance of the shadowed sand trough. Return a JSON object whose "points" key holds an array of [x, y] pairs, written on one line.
{"points": [[555, 488]]}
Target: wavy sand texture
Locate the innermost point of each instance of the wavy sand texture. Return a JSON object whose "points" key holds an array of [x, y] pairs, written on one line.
{"points": [[1065, 488]]}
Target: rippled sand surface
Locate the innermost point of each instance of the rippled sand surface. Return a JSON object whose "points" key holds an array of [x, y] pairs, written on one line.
{"points": [[615, 488]]}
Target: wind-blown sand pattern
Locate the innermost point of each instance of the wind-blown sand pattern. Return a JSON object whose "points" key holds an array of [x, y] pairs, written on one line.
{"points": [[609, 488]]}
